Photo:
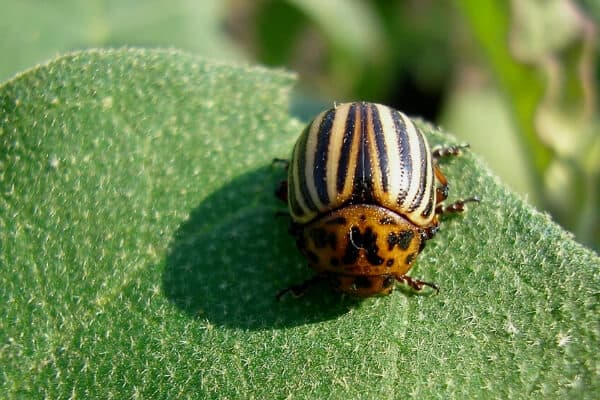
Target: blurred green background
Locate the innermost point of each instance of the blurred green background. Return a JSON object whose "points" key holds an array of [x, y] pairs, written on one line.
{"points": [[518, 80]]}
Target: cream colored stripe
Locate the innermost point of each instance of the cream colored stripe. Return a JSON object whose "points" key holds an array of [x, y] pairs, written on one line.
{"points": [[395, 176], [353, 158], [373, 154], [335, 148]]}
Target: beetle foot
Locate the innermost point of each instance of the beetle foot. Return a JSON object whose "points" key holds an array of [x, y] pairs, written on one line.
{"points": [[441, 152], [417, 284], [457, 206]]}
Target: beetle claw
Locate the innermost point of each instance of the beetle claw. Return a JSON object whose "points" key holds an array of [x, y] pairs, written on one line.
{"points": [[417, 284]]}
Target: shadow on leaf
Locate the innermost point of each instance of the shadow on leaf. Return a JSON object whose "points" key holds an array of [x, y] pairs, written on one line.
{"points": [[233, 254]]}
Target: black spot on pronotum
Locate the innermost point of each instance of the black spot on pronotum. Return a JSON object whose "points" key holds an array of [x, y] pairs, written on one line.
{"points": [[391, 240], [322, 238], [358, 241], [336, 221], [332, 240], [389, 262], [370, 245], [319, 237], [312, 257], [363, 282], [410, 258], [352, 247], [400, 239], [404, 239]]}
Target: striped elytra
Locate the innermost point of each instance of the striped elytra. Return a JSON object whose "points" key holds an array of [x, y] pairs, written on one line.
{"points": [[363, 198], [361, 153]]}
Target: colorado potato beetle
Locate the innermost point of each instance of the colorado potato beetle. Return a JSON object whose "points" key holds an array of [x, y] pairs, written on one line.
{"points": [[362, 194]]}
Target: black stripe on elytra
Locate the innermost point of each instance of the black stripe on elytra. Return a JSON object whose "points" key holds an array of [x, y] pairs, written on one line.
{"points": [[321, 155], [425, 166], [342, 171], [296, 209], [404, 154], [381, 150], [310, 204], [427, 211], [362, 190]]}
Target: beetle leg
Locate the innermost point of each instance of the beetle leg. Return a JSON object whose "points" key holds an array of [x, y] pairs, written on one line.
{"points": [[428, 232], [457, 206], [440, 152], [282, 161], [281, 191], [299, 289], [441, 191], [416, 284], [282, 187]]}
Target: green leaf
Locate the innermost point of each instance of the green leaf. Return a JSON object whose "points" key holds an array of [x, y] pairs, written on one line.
{"points": [[140, 254]]}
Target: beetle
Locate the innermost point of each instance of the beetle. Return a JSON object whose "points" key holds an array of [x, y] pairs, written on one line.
{"points": [[363, 199]]}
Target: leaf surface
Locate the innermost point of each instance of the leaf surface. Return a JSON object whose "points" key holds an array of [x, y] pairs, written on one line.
{"points": [[140, 255]]}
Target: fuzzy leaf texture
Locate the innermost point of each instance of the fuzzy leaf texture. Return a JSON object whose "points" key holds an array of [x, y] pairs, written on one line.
{"points": [[140, 254]]}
